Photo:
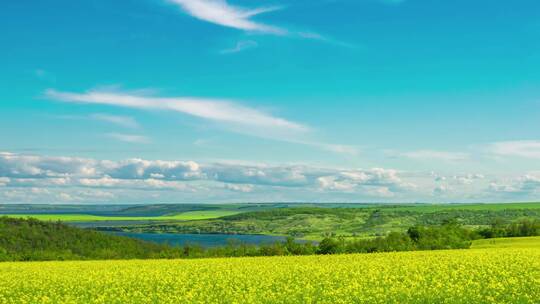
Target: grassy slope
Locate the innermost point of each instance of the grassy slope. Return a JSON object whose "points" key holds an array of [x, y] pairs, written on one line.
{"points": [[314, 223], [211, 211], [517, 242], [157, 212], [190, 215], [307, 221], [473, 207]]}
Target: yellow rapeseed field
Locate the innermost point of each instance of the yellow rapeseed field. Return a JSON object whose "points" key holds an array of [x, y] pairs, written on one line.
{"points": [[456, 276]]}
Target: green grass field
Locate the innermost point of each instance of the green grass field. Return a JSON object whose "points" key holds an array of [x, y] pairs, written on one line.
{"points": [[312, 223], [305, 221], [473, 207], [185, 216], [517, 242]]}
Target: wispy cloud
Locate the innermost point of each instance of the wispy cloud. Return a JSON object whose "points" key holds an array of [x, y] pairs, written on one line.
{"points": [[321, 38], [435, 155], [130, 138], [217, 110], [222, 13], [241, 46], [229, 114], [123, 121], [335, 148], [520, 148]]}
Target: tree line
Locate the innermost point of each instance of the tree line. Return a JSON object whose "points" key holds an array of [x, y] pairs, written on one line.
{"points": [[34, 240], [30, 239]]}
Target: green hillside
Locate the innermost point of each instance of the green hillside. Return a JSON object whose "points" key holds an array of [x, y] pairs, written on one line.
{"points": [[77, 217], [516, 242], [315, 223], [31, 239]]}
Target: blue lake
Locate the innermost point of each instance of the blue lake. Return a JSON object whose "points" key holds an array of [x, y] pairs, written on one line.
{"points": [[205, 240]]}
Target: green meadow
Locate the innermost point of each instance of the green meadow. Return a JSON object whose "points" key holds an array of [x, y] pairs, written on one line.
{"points": [[473, 207], [516, 242], [185, 216], [299, 220]]}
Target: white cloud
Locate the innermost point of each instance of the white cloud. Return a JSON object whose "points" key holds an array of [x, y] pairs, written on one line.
{"points": [[531, 182], [56, 195], [130, 138], [311, 35], [34, 178], [222, 13], [467, 179], [440, 178], [340, 149], [503, 188], [436, 155], [4, 181], [441, 190], [33, 166], [522, 148], [66, 197], [376, 182], [229, 114], [378, 192], [123, 121], [286, 176], [526, 184], [98, 194], [333, 183], [105, 181], [131, 184], [319, 37], [39, 191], [144, 169], [42, 171], [239, 188], [241, 46], [217, 110]]}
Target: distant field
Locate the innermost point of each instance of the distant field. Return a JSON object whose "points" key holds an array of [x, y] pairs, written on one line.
{"points": [[303, 221], [202, 215], [474, 207], [517, 242], [455, 276], [191, 215], [314, 223]]}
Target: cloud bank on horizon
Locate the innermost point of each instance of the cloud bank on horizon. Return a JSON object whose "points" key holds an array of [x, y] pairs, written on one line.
{"points": [[41, 179]]}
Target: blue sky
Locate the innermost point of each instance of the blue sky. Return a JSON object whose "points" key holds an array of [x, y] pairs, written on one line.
{"points": [[217, 101]]}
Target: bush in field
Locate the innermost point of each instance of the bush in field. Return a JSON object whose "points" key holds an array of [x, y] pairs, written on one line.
{"points": [[521, 228], [330, 246], [447, 236]]}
